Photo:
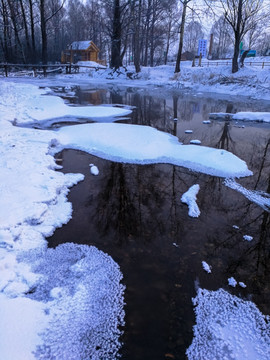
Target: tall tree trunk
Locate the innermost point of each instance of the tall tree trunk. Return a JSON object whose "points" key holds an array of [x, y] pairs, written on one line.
{"points": [[152, 47], [28, 46], [147, 21], [5, 41], [116, 60], [33, 41], [137, 24], [44, 54], [168, 42], [182, 29], [237, 35], [15, 28]]}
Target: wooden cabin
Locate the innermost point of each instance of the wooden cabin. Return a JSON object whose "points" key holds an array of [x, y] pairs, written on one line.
{"points": [[81, 51]]}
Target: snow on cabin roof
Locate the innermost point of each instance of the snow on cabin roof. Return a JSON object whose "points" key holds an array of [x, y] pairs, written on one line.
{"points": [[80, 45]]}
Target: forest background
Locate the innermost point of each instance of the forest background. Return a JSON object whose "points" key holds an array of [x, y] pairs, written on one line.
{"points": [[139, 32]]}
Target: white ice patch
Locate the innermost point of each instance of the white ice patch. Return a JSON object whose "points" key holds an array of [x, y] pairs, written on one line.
{"points": [[206, 267], [248, 237], [195, 142], [188, 131], [252, 116], [51, 107], [190, 198], [228, 327], [146, 145], [243, 285], [71, 309], [94, 169], [232, 282], [260, 198], [243, 116]]}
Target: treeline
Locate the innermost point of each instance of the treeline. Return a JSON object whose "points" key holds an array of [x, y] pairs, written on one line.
{"points": [[144, 32]]}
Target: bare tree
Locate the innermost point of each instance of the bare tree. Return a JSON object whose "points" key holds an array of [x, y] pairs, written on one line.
{"points": [[116, 60], [181, 39], [5, 34], [45, 16], [222, 38], [193, 33], [171, 17], [240, 15]]}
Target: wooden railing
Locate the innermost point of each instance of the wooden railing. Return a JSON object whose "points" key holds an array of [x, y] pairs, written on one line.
{"points": [[262, 64], [35, 69]]}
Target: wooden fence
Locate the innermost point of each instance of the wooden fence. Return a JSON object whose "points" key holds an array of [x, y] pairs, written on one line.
{"points": [[35, 70], [261, 64]]}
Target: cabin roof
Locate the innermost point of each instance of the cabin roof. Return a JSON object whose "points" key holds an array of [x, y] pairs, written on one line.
{"points": [[83, 45]]}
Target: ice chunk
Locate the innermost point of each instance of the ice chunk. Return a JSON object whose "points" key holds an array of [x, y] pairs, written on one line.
{"points": [[232, 282], [195, 142], [248, 237], [206, 267], [94, 169], [190, 198]]}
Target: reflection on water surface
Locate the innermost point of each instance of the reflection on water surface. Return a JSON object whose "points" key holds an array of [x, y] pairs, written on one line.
{"points": [[134, 213]]}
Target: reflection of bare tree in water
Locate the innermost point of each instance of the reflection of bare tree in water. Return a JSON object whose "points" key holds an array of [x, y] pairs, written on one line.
{"points": [[247, 261], [116, 205], [225, 139], [139, 201], [264, 157], [263, 246]]}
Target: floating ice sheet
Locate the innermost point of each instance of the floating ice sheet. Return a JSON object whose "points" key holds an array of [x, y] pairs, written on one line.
{"points": [[146, 145]]}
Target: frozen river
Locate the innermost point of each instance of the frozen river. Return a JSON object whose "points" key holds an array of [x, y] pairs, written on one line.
{"points": [[135, 214]]}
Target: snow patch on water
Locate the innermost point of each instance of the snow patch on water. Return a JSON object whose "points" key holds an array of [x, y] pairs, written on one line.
{"points": [[80, 286], [228, 327], [260, 198], [190, 198]]}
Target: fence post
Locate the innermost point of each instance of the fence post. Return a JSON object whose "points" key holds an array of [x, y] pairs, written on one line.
{"points": [[6, 70], [262, 65], [200, 59]]}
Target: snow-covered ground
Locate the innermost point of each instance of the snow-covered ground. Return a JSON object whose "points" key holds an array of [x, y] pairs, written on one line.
{"points": [[250, 80], [65, 303], [42, 289]]}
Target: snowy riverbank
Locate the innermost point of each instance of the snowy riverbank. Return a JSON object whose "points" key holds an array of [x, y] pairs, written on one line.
{"points": [[250, 80]]}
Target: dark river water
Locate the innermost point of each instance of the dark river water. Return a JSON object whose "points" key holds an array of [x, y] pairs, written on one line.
{"points": [[135, 214]]}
